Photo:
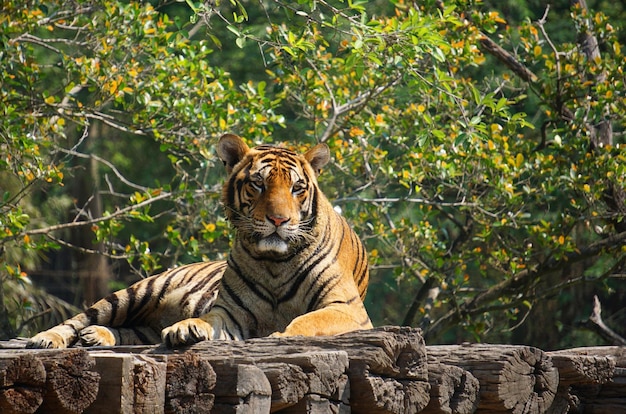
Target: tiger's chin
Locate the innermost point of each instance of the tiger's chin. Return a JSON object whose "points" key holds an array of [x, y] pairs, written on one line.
{"points": [[272, 245]]}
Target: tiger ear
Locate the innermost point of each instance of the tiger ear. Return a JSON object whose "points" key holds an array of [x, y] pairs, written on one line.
{"points": [[318, 157], [231, 149]]}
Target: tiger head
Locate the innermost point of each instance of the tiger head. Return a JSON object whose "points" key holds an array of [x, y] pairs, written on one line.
{"points": [[271, 195]]}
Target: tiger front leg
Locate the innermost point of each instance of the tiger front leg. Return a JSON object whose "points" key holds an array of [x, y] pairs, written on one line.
{"points": [[328, 321], [60, 336], [190, 331]]}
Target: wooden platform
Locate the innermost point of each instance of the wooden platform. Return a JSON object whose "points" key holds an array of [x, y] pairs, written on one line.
{"points": [[384, 370]]}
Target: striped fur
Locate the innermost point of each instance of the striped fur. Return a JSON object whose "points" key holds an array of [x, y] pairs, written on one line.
{"points": [[296, 267]]}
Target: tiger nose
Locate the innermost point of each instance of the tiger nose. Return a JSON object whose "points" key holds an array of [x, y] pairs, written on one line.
{"points": [[277, 220]]}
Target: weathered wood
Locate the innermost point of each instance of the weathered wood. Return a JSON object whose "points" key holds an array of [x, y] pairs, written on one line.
{"points": [[189, 384], [149, 375], [315, 375], [452, 390], [513, 379], [294, 376], [610, 398], [129, 383], [387, 366], [618, 353], [22, 383], [15, 343], [315, 404], [607, 395], [115, 392], [289, 384], [582, 369], [71, 382], [241, 389]]}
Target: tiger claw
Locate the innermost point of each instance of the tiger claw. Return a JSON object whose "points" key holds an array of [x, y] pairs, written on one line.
{"points": [[187, 332], [46, 340], [95, 335]]}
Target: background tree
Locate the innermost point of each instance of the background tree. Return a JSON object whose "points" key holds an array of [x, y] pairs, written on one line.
{"points": [[479, 159]]}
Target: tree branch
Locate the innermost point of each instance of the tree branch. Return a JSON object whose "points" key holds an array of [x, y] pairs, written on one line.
{"points": [[508, 59], [118, 213], [474, 306], [595, 324]]}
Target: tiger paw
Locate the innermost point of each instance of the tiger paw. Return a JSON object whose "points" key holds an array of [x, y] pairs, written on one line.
{"points": [[187, 332], [95, 335], [47, 339]]}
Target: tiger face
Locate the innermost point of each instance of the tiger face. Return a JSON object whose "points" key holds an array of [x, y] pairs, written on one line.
{"points": [[270, 199]]}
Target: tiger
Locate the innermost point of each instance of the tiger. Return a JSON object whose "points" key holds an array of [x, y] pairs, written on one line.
{"points": [[295, 267]]}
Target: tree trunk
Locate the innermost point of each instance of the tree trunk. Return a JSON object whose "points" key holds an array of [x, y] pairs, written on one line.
{"points": [[92, 269]]}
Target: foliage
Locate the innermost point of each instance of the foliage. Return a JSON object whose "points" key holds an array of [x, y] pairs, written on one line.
{"points": [[478, 192]]}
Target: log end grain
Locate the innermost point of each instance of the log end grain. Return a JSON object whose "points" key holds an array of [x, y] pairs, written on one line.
{"points": [[189, 384], [71, 382], [529, 382], [22, 384]]}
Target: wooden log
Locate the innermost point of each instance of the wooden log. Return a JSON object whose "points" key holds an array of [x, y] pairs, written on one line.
{"points": [[289, 384], [149, 375], [452, 390], [15, 343], [315, 404], [618, 353], [22, 383], [189, 384], [241, 389], [611, 397], [296, 376], [513, 379], [387, 366], [115, 393], [129, 383], [71, 382], [586, 379], [582, 369]]}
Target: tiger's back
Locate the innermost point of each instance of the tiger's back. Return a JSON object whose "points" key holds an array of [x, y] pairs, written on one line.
{"points": [[295, 268]]}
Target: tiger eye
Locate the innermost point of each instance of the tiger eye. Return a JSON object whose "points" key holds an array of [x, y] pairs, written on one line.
{"points": [[299, 187]]}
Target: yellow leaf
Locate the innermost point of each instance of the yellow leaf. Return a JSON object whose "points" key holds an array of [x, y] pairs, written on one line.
{"points": [[356, 131], [519, 160], [50, 100], [537, 51], [561, 239]]}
